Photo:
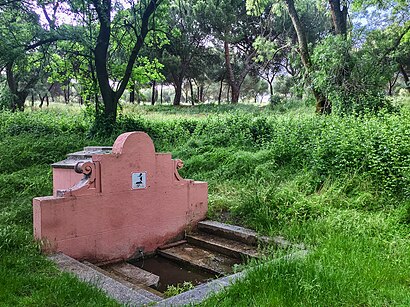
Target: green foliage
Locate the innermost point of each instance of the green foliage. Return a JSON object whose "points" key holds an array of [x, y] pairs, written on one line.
{"points": [[178, 289], [352, 81], [338, 184]]}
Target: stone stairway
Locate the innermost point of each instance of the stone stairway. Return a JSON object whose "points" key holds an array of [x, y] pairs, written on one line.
{"points": [[214, 247]]}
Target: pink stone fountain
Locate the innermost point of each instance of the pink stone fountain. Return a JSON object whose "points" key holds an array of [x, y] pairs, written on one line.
{"points": [[109, 205]]}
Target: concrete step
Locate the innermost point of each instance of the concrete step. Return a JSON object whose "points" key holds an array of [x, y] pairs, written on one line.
{"points": [[211, 261], [122, 291], [231, 232], [134, 274], [222, 245], [244, 235]]}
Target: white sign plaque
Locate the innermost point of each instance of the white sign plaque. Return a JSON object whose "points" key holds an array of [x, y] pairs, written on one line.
{"points": [[139, 180]]}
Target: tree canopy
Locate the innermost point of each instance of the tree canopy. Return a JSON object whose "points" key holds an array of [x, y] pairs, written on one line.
{"points": [[347, 54]]}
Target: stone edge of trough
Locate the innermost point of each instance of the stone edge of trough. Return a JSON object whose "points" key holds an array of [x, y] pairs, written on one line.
{"points": [[113, 288], [131, 297]]}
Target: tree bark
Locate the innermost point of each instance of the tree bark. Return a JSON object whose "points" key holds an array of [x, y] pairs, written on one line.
{"points": [[161, 95], [153, 93], [220, 91], [110, 100], [192, 91], [41, 100], [178, 93], [18, 97], [323, 106], [300, 33], [132, 94], [235, 95], [230, 75], [201, 93], [270, 87], [111, 97], [405, 77], [339, 14]]}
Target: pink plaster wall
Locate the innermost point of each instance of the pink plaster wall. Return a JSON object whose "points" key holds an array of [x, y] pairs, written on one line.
{"points": [[63, 178], [104, 219]]}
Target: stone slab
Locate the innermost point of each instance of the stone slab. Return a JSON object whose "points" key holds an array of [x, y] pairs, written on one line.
{"points": [[242, 234], [210, 261], [118, 291], [229, 231], [135, 274], [225, 246]]}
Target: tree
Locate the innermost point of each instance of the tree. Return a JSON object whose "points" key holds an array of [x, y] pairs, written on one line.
{"points": [[186, 45], [258, 6], [24, 51], [235, 32], [138, 25]]}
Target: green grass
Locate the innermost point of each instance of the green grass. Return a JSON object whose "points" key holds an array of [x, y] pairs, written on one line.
{"points": [[340, 185]]}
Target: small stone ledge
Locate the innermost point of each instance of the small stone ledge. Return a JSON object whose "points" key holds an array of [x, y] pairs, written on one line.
{"points": [[111, 287], [245, 235]]}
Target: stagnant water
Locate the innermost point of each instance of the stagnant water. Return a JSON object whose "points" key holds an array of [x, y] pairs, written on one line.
{"points": [[171, 272]]}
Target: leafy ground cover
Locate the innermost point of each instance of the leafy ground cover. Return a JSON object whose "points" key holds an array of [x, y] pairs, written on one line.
{"points": [[340, 185]]}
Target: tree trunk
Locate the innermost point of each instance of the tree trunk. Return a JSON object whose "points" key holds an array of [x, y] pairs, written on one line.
{"points": [[235, 94], [186, 94], [339, 14], [192, 91], [100, 57], [405, 77], [132, 94], [220, 90], [300, 33], [47, 101], [201, 93], [153, 98], [110, 97], [323, 106], [231, 78], [66, 92], [18, 99], [270, 87], [41, 100], [392, 83], [178, 93], [161, 95], [32, 99], [339, 17], [228, 92]]}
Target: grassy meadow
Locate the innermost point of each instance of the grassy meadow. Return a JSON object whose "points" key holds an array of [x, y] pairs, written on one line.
{"points": [[339, 185]]}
